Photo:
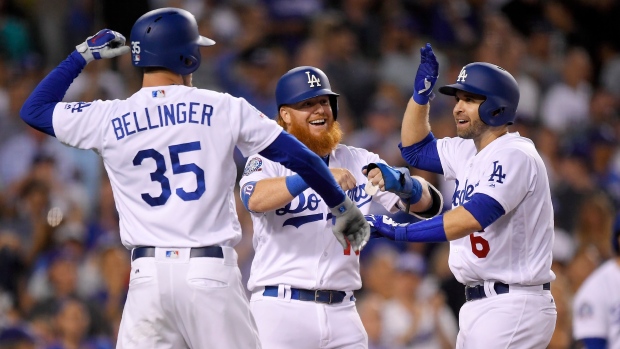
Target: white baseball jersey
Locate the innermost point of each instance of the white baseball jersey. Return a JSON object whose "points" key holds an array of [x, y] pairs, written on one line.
{"points": [[596, 306], [168, 153], [294, 244], [515, 249]]}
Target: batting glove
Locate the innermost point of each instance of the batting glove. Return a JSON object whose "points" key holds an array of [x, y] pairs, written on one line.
{"points": [[105, 44], [350, 225], [426, 77], [383, 226]]}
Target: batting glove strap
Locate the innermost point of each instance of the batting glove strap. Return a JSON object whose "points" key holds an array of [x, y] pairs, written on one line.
{"points": [[398, 181], [426, 76], [105, 44]]}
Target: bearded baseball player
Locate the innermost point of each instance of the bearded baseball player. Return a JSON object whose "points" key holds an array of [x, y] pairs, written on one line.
{"points": [[596, 306], [302, 281], [500, 227], [168, 151]]}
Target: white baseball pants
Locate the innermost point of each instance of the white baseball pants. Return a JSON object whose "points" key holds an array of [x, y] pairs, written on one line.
{"points": [[523, 318], [288, 323], [178, 302]]}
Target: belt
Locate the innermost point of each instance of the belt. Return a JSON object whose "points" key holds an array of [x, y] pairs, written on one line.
{"points": [[473, 293], [207, 251], [318, 296]]}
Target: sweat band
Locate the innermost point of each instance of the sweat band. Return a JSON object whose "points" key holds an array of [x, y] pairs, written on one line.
{"points": [[296, 185]]}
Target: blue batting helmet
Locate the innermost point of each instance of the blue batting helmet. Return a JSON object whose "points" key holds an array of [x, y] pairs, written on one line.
{"points": [[303, 83], [496, 84], [167, 38]]}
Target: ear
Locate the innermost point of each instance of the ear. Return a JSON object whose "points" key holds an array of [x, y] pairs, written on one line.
{"points": [[285, 115]]}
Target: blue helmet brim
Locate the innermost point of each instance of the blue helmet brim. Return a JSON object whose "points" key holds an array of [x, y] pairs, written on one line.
{"points": [[204, 41]]}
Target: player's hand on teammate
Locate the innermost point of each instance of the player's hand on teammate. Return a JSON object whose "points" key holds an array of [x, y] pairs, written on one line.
{"points": [[394, 179], [384, 227], [426, 77], [350, 225], [105, 44], [344, 178]]}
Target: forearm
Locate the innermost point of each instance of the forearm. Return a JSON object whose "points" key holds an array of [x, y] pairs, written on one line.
{"points": [[426, 200], [269, 194], [459, 223], [415, 125]]}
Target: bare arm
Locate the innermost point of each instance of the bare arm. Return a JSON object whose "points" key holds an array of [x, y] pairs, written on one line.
{"points": [[269, 194], [272, 193], [459, 223], [415, 123]]}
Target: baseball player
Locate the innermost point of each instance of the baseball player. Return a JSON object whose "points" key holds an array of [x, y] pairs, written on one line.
{"points": [[500, 227], [168, 151], [301, 280], [596, 306]]}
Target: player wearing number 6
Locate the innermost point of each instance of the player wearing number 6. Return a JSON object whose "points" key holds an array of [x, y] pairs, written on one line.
{"points": [[500, 227], [302, 279], [168, 151]]}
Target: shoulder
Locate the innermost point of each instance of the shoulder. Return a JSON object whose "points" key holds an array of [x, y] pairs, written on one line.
{"points": [[354, 151], [343, 151], [457, 143], [514, 146]]}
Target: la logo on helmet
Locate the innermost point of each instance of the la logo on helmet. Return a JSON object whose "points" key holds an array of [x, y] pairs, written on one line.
{"points": [[313, 80], [462, 76]]}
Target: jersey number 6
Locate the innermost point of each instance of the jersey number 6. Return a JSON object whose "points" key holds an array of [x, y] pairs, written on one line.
{"points": [[479, 246], [177, 167]]}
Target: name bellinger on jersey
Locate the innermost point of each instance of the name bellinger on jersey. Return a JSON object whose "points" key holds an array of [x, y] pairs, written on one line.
{"points": [[165, 115]]}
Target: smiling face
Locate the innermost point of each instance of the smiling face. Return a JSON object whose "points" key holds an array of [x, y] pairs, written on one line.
{"points": [[468, 122], [311, 121]]}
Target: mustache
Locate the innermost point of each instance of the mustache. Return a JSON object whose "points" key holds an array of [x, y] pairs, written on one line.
{"points": [[322, 144]]}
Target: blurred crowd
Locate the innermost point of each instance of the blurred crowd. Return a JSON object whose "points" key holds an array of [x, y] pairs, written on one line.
{"points": [[63, 270]]}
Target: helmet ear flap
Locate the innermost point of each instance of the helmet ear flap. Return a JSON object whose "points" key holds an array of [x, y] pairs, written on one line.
{"points": [[497, 112], [189, 61], [333, 102]]}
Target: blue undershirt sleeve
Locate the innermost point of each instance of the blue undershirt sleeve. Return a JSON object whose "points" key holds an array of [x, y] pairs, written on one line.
{"points": [[428, 230], [38, 109], [295, 156], [423, 155], [594, 343], [484, 208]]}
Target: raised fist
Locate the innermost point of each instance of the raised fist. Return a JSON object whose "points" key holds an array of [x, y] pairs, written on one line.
{"points": [[105, 44]]}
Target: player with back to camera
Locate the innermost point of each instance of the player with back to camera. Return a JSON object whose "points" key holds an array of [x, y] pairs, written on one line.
{"points": [[500, 227], [596, 305], [168, 151], [302, 282]]}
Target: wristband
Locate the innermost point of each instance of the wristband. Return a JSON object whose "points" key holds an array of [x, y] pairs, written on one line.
{"points": [[413, 187], [296, 185]]}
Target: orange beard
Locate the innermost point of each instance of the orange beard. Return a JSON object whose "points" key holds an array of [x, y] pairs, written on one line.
{"points": [[322, 145]]}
